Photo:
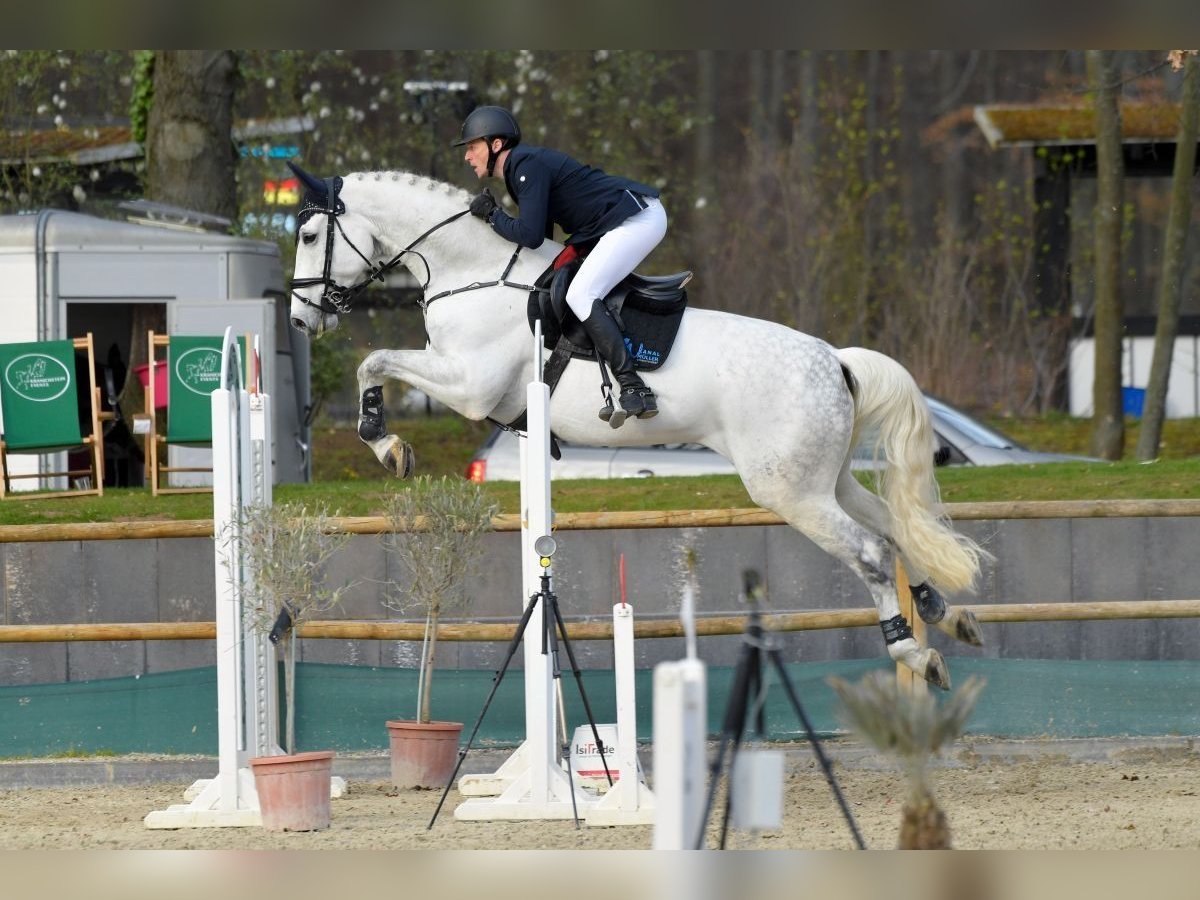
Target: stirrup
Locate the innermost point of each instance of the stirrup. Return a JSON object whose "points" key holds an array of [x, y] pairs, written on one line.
{"points": [[648, 401]]}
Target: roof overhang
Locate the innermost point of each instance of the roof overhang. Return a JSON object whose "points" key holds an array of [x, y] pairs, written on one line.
{"points": [[1012, 125]]}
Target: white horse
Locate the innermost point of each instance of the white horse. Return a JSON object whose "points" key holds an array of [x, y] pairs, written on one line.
{"points": [[784, 407]]}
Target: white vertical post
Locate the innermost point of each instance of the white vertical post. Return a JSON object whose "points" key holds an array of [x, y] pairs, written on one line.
{"points": [[227, 419], [530, 784], [680, 728], [540, 711], [628, 801]]}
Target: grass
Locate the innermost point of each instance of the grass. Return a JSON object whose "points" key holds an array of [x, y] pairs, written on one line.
{"points": [[350, 481]]}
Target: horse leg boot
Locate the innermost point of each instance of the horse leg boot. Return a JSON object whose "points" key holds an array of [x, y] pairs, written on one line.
{"points": [[636, 399], [903, 648], [395, 455]]}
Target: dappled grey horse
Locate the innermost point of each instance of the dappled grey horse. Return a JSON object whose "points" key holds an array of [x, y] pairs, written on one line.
{"points": [[784, 407]]}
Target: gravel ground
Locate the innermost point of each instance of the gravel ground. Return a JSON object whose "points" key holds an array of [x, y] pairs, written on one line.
{"points": [[1053, 795]]}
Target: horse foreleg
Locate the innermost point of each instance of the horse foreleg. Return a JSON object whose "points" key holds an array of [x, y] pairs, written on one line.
{"points": [[443, 377], [395, 454], [867, 509]]}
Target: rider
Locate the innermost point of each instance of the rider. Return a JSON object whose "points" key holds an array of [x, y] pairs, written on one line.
{"points": [[615, 221]]}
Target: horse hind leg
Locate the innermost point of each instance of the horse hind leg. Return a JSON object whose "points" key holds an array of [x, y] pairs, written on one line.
{"points": [[957, 621], [866, 508], [870, 556], [394, 454]]}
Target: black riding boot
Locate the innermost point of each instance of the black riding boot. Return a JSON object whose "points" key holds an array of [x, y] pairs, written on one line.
{"points": [[636, 399]]}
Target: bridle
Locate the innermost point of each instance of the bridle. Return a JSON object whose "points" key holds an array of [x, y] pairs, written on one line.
{"points": [[336, 299]]}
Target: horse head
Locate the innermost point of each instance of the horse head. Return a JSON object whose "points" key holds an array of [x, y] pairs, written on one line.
{"points": [[335, 250]]}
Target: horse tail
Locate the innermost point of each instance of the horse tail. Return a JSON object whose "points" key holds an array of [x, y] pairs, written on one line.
{"points": [[888, 402]]}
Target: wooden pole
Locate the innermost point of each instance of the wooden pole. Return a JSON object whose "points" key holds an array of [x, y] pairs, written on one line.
{"points": [[906, 679], [593, 521], [810, 620]]}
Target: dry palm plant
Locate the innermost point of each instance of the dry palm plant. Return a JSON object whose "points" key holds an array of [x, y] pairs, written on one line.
{"points": [[913, 728]]}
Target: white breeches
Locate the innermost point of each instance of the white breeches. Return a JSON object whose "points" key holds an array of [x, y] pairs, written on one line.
{"points": [[615, 256]]}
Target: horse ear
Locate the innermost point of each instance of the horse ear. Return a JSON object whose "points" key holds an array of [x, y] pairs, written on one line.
{"points": [[314, 184]]}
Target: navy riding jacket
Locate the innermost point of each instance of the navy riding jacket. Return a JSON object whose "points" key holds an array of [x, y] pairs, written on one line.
{"points": [[551, 187]]}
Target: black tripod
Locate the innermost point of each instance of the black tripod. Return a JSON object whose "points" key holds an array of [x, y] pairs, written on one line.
{"points": [[748, 685], [552, 623]]}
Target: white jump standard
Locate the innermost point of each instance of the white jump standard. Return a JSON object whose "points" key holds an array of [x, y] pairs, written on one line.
{"points": [[247, 705], [533, 783]]}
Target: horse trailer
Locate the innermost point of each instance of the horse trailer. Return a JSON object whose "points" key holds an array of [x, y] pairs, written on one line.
{"points": [[63, 274]]}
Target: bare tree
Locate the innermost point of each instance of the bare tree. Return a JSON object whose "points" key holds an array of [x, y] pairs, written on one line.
{"points": [[1108, 423], [1170, 294]]}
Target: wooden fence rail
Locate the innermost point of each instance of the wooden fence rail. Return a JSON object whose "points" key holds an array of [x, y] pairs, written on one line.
{"points": [[813, 620], [591, 521]]}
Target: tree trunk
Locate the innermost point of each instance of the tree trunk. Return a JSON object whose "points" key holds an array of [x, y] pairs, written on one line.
{"points": [[190, 157], [1170, 293], [1108, 423], [808, 127], [423, 702]]}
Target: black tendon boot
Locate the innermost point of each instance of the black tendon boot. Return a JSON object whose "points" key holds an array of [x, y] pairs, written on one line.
{"points": [[636, 399]]}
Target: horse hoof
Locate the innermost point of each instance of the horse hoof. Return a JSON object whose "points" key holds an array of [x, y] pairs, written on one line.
{"points": [[966, 628], [399, 459], [962, 625], [936, 672]]}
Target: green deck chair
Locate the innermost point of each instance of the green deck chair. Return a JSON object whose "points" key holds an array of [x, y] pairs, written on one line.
{"points": [[193, 367], [39, 403]]}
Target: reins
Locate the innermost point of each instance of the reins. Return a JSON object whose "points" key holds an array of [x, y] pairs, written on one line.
{"points": [[337, 298]]}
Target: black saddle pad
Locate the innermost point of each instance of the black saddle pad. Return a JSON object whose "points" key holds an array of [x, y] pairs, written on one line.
{"points": [[649, 323]]}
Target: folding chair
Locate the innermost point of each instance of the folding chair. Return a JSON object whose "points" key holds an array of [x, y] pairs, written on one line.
{"points": [[39, 403], [193, 372]]}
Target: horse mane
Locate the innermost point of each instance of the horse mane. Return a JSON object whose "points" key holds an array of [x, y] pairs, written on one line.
{"points": [[412, 178]]}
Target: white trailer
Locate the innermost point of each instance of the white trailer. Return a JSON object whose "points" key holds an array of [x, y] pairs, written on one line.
{"points": [[63, 274]]}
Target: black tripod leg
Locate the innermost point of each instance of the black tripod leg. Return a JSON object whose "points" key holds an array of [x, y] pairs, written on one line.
{"points": [[549, 638], [499, 676], [754, 683], [826, 767], [731, 729], [587, 707]]}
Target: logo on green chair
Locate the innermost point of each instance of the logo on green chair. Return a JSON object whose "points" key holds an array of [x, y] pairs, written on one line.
{"points": [[199, 370], [37, 377]]}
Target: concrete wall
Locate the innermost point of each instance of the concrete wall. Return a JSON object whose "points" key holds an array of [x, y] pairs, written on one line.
{"points": [[1054, 560]]}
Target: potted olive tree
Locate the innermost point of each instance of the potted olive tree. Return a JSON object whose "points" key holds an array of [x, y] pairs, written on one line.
{"points": [[436, 540], [912, 727], [284, 550]]}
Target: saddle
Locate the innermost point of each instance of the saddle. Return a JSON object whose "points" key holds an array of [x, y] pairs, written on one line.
{"points": [[648, 310]]}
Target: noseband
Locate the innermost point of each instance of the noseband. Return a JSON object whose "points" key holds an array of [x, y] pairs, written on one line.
{"points": [[337, 298]]}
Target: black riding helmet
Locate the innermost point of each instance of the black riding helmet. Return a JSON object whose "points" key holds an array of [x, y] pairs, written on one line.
{"points": [[489, 122]]}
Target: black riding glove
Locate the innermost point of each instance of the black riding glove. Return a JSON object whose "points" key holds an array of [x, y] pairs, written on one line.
{"points": [[483, 205]]}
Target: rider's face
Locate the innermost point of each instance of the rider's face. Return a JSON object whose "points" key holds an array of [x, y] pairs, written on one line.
{"points": [[476, 155]]}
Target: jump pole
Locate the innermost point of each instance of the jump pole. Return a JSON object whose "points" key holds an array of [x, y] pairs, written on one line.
{"points": [[247, 705], [530, 784]]}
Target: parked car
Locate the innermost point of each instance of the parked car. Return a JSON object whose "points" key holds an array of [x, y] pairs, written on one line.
{"points": [[961, 441]]}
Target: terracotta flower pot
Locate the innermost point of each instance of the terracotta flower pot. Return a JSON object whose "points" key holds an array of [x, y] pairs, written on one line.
{"points": [[293, 790], [423, 754]]}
